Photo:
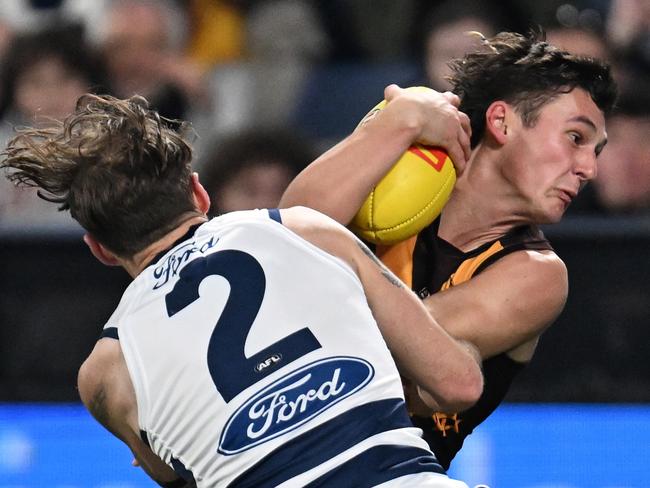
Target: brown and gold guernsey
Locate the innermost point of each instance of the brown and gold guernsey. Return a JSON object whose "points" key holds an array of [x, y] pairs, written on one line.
{"points": [[429, 265]]}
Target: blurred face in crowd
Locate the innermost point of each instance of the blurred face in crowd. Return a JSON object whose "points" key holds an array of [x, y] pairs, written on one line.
{"points": [[451, 41], [6, 34], [578, 41], [48, 88], [624, 175], [258, 185], [135, 44]]}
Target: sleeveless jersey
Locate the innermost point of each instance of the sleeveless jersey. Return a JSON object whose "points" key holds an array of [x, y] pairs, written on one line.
{"points": [[256, 362], [430, 264]]}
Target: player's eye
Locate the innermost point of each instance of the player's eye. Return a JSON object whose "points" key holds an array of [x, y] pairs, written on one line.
{"points": [[575, 137]]}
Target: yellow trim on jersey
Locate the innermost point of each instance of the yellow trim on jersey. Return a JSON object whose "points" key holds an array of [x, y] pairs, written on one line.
{"points": [[399, 259], [468, 267]]}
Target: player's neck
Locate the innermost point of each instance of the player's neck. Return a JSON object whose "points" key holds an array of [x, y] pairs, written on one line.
{"points": [[467, 227], [481, 208], [140, 261]]}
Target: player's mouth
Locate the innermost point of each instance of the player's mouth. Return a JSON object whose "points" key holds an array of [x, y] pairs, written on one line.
{"points": [[566, 196]]}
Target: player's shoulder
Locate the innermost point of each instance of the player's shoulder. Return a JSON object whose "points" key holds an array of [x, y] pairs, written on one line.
{"points": [[321, 231], [310, 224], [96, 374], [544, 261], [308, 217], [543, 268]]}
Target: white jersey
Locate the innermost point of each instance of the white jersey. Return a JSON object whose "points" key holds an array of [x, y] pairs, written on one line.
{"points": [[256, 362]]}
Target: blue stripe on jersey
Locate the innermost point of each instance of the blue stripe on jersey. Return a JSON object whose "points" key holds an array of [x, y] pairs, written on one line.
{"points": [[186, 476], [378, 465], [274, 213], [110, 332], [145, 438], [321, 443], [177, 483], [182, 471]]}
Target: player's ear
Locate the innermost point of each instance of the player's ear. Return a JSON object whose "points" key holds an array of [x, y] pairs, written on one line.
{"points": [[102, 254], [201, 197], [496, 121]]}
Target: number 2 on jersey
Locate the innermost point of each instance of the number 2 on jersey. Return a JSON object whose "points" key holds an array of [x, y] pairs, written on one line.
{"points": [[231, 371]]}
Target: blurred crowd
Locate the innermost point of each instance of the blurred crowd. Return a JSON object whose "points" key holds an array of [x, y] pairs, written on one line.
{"points": [[269, 84]]}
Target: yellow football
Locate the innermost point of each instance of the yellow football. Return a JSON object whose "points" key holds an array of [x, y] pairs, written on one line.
{"points": [[408, 198]]}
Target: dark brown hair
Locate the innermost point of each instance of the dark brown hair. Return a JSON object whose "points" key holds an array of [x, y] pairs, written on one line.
{"points": [[119, 167], [526, 72]]}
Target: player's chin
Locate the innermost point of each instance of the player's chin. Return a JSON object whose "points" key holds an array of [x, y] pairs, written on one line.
{"points": [[551, 215], [555, 217], [558, 208]]}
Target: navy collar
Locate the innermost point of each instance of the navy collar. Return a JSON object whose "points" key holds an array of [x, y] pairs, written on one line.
{"points": [[189, 234]]}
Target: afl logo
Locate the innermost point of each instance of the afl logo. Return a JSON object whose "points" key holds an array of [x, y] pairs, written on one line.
{"points": [[292, 401], [270, 361]]}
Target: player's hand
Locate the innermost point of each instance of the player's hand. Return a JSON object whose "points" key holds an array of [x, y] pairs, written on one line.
{"points": [[438, 118]]}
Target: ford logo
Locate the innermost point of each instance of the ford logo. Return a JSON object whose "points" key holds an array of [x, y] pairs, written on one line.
{"points": [[293, 400]]}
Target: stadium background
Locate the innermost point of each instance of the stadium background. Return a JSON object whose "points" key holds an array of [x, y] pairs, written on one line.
{"points": [[578, 417]]}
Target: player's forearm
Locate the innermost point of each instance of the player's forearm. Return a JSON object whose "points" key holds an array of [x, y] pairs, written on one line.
{"points": [[447, 369], [455, 379], [338, 182]]}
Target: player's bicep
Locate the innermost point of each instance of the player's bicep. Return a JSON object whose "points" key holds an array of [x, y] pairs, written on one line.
{"points": [[507, 305], [95, 382], [106, 390]]}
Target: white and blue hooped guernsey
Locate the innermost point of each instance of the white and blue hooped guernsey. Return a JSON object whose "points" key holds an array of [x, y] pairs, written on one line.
{"points": [[256, 362]]}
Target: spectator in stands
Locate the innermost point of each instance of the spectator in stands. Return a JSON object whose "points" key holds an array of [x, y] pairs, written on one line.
{"points": [[142, 43], [284, 40], [586, 40], [578, 40], [251, 169], [34, 15], [43, 74], [6, 34], [628, 32], [628, 26], [447, 27], [218, 31], [376, 31]]}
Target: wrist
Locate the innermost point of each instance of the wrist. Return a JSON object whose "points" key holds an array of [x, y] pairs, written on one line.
{"points": [[406, 118]]}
